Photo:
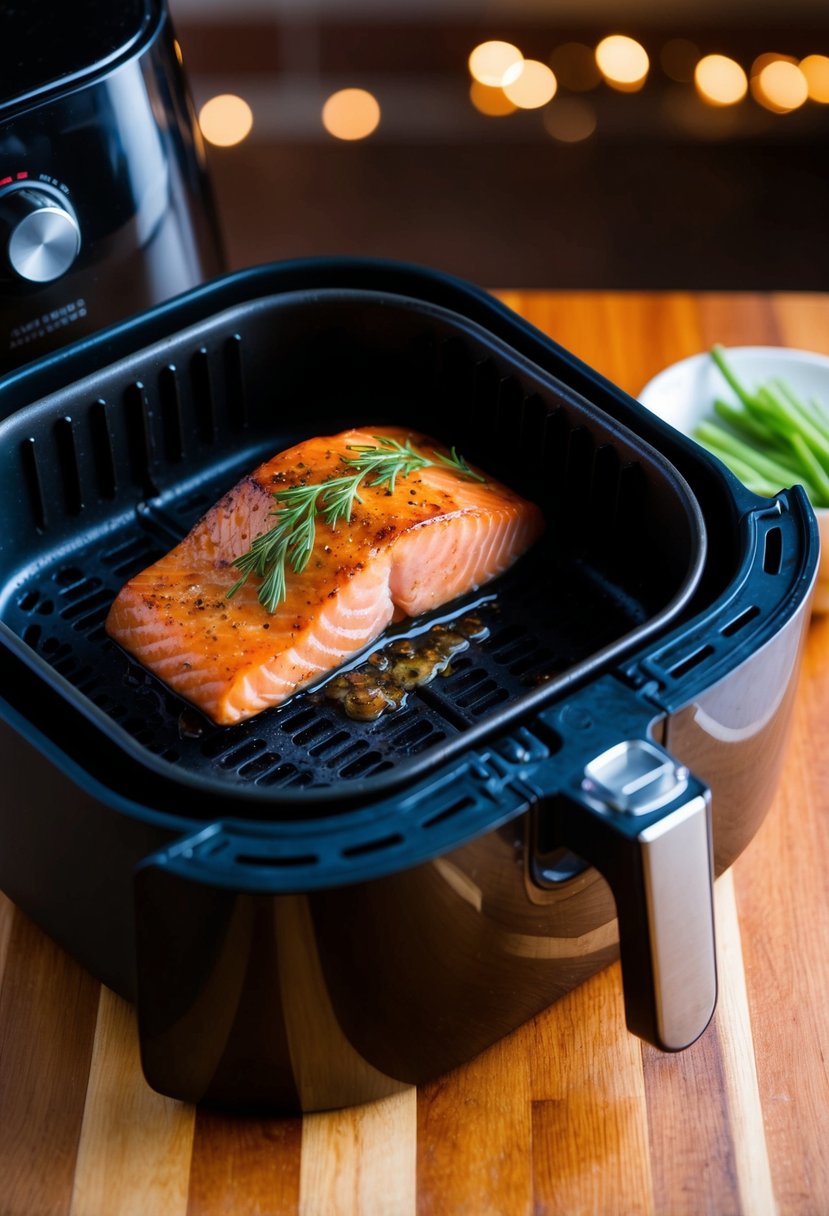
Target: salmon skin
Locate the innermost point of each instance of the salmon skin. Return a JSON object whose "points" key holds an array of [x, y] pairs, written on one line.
{"points": [[438, 535]]}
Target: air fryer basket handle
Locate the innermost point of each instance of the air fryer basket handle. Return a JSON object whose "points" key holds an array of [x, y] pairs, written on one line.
{"points": [[645, 823]]}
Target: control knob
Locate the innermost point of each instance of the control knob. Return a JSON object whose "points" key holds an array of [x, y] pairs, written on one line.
{"points": [[39, 235]]}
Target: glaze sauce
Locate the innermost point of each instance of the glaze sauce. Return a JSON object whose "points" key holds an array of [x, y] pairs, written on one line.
{"points": [[382, 684]]}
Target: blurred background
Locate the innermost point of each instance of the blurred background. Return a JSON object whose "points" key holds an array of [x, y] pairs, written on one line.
{"points": [[522, 143]]}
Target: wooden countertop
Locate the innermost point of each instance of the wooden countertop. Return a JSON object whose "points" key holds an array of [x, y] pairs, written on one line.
{"points": [[568, 1115]]}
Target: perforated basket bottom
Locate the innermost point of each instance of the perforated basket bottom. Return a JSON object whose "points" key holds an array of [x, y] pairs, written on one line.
{"points": [[545, 616]]}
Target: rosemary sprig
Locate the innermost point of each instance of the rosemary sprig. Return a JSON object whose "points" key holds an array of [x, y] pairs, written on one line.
{"points": [[455, 461], [390, 461], [393, 459], [290, 541]]}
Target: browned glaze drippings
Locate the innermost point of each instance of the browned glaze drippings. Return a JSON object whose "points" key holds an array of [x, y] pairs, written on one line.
{"points": [[383, 682]]}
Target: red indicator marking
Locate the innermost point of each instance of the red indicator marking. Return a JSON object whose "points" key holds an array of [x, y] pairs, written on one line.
{"points": [[20, 176], [4, 181]]}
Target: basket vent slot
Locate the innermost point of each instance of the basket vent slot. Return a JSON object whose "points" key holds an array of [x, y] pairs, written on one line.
{"points": [[510, 398], [413, 733], [204, 403], [483, 695], [140, 436], [554, 451], [131, 556], [68, 464], [313, 731], [323, 747], [74, 586], [34, 483], [172, 424], [299, 718], [276, 862], [259, 764], [285, 775], [739, 622], [448, 812], [579, 477], [605, 496], [103, 449], [237, 757], [691, 661], [373, 846], [487, 387], [773, 551], [31, 636], [534, 414], [236, 401], [349, 753], [92, 598], [458, 375], [360, 766]]}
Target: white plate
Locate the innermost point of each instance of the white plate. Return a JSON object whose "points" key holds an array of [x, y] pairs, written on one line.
{"points": [[684, 393]]}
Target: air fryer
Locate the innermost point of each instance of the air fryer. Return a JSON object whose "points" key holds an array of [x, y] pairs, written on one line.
{"points": [[105, 207], [310, 911]]}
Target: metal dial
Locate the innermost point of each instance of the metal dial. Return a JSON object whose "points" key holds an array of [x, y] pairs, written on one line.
{"points": [[39, 235]]}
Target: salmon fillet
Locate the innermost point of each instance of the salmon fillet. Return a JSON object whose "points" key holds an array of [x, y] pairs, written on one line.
{"points": [[438, 535]]}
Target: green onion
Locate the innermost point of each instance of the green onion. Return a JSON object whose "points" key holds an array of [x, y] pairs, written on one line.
{"points": [[771, 438]]}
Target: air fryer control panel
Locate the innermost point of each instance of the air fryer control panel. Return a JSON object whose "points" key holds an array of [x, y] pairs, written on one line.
{"points": [[105, 208]]}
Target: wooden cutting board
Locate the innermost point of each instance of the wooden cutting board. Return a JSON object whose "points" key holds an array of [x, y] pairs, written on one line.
{"points": [[568, 1115]]}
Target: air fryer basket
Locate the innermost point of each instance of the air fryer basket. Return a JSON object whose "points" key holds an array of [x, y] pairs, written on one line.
{"points": [[254, 840], [113, 472]]}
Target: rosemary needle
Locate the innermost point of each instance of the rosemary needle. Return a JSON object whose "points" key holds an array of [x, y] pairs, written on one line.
{"points": [[290, 541]]}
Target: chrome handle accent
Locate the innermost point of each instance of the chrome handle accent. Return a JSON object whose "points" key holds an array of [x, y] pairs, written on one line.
{"points": [[644, 822], [678, 884], [635, 776]]}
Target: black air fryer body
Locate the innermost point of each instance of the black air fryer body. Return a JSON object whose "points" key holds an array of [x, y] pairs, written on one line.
{"points": [[104, 203], [311, 911]]}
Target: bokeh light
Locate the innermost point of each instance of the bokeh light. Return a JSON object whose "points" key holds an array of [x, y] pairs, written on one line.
{"points": [[574, 67], [225, 120], [496, 63], [781, 86], [351, 114], [534, 87], [490, 101], [623, 62], [816, 70], [764, 60], [678, 58], [570, 120], [720, 81]]}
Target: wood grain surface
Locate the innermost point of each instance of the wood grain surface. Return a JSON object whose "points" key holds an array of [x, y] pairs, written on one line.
{"points": [[570, 1114]]}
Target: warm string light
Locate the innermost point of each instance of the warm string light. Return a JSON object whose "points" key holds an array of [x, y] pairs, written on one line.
{"points": [[720, 81], [496, 64], [533, 88], [504, 81], [351, 114], [779, 84], [225, 120], [816, 70], [623, 62]]}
